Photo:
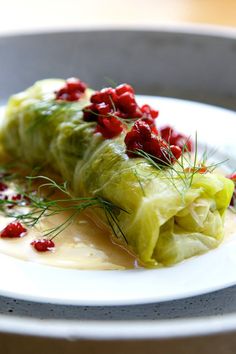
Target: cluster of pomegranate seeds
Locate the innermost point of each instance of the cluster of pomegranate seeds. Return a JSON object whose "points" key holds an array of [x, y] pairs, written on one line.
{"points": [[233, 199], [43, 245], [13, 230], [141, 137], [112, 105], [174, 138], [72, 91]]}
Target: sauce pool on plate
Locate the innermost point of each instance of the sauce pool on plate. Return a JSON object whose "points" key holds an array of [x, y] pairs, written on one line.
{"points": [[82, 245]]}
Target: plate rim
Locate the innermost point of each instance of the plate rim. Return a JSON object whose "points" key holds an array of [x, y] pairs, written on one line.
{"points": [[187, 28]]}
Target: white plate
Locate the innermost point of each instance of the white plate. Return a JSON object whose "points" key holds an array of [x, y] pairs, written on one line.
{"points": [[211, 271]]}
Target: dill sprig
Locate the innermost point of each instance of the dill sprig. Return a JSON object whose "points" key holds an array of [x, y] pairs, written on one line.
{"points": [[135, 172], [40, 206], [112, 218], [110, 81]]}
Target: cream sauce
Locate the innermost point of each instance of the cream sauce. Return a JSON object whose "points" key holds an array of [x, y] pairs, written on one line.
{"points": [[81, 246]]}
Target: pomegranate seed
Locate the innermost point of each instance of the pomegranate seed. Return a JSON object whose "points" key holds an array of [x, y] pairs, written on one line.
{"points": [[166, 133], [154, 114], [176, 151], [96, 97], [126, 100], [149, 112], [153, 148], [12, 230], [3, 187], [132, 147], [74, 84], [71, 91], [174, 138], [137, 113], [124, 88], [16, 197], [109, 127], [132, 111], [43, 245], [132, 136], [90, 113], [144, 129], [108, 96], [155, 130], [103, 108]]}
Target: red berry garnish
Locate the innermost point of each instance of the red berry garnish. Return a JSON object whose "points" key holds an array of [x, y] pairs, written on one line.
{"points": [[103, 108], [153, 148], [17, 197], [133, 147], [136, 113], [155, 130], [43, 245], [108, 95], [174, 138], [90, 113], [142, 138], [124, 88], [72, 91], [74, 84], [116, 103], [149, 112], [132, 136], [144, 129], [96, 97], [3, 187], [176, 151], [109, 127], [126, 102], [12, 230]]}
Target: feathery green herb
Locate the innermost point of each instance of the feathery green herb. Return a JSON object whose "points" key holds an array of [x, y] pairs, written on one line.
{"points": [[40, 206]]}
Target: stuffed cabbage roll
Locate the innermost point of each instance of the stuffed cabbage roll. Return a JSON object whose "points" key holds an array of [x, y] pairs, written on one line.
{"points": [[162, 215]]}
